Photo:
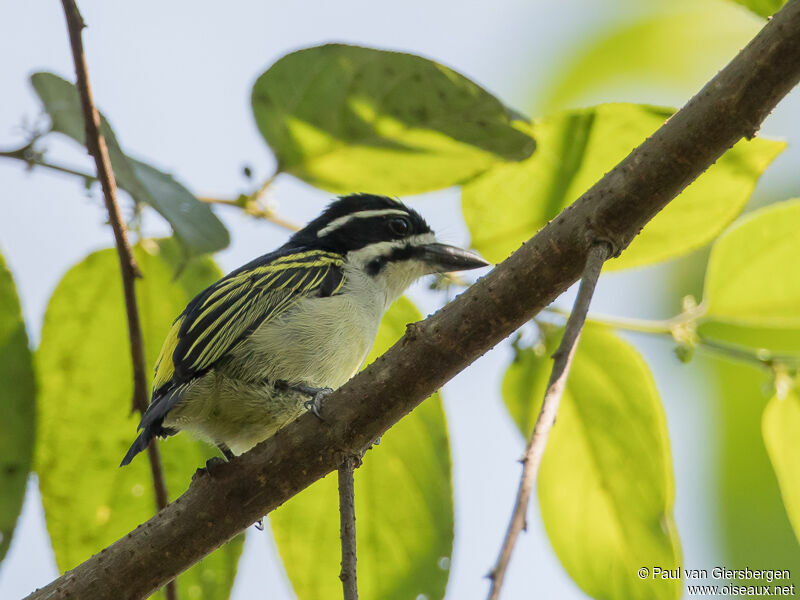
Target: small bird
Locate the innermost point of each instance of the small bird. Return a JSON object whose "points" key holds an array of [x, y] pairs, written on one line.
{"points": [[272, 338]]}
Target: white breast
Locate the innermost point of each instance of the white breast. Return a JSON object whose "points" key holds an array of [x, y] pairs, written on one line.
{"points": [[323, 342], [320, 342]]}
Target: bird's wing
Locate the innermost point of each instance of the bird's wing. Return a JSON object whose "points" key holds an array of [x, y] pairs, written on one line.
{"points": [[232, 308]]}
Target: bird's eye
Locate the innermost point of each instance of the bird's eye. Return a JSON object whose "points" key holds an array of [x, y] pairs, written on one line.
{"points": [[399, 226]]}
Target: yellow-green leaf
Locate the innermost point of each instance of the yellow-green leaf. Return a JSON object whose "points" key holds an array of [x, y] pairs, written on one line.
{"points": [[404, 508], [346, 118], [17, 408], [781, 429], [750, 518], [670, 49], [606, 488], [752, 277], [510, 203], [192, 221], [85, 421], [765, 8]]}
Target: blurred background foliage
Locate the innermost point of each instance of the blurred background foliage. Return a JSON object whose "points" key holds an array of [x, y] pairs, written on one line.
{"points": [[720, 295]]}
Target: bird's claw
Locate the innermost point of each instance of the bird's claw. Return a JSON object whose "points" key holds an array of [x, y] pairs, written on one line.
{"points": [[316, 401]]}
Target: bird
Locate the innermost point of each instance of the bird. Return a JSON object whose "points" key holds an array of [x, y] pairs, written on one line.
{"points": [[271, 339]]}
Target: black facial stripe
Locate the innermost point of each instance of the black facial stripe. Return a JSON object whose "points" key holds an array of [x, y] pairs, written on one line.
{"points": [[398, 254]]}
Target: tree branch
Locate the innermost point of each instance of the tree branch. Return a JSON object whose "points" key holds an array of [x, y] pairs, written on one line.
{"points": [[347, 527], [562, 360], [96, 144], [214, 509]]}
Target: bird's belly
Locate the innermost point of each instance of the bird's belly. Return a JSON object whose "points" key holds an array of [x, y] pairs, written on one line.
{"points": [[320, 342]]}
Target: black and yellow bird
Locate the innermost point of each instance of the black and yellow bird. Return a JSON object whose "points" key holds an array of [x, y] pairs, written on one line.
{"points": [[274, 336]]}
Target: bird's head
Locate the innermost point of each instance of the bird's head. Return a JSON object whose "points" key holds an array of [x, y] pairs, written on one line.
{"points": [[383, 237]]}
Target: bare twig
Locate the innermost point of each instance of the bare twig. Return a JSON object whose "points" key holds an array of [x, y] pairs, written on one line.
{"points": [[675, 328], [32, 158], [254, 210], [347, 527], [96, 144], [562, 360], [252, 205], [215, 509]]}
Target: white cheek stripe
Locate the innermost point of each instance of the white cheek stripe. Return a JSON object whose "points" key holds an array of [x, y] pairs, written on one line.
{"points": [[364, 214], [363, 255]]}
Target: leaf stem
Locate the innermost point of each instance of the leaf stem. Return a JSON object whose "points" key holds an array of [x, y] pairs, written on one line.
{"points": [[672, 328], [562, 360]]}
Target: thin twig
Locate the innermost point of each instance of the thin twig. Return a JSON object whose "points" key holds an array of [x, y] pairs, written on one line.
{"points": [[254, 210], [347, 527], [562, 359], [32, 158], [96, 144], [669, 328]]}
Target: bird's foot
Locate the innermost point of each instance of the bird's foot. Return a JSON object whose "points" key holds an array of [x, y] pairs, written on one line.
{"points": [[260, 524], [317, 396]]}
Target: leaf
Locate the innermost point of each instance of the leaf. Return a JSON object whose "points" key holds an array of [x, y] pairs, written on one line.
{"points": [[346, 118], [510, 203], [85, 425], [194, 223], [404, 507], [17, 408], [752, 279], [781, 429], [606, 488], [749, 515], [666, 52], [765, 8]]}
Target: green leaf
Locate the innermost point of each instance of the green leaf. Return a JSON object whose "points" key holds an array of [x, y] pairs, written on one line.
{"points": [[752, 277], [669, 49], [781, 429], [765, 8], [509, 204], [17, 408], [404, 507], [346, 118], [85, 420], [750, 517], [194, 223], [606, 488]]}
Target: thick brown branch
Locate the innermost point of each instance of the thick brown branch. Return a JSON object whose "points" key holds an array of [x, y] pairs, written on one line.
{"points": [[347, 527], [214, 509], [96, 144], [562, 360]]}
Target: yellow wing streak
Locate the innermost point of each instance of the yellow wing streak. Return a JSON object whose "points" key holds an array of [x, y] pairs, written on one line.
{"points": [[241, 302], [164, 367]]}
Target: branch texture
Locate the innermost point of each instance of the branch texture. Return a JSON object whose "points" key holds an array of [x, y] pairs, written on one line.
{"points": [[347, 527], [215, 508], [562, 361]]}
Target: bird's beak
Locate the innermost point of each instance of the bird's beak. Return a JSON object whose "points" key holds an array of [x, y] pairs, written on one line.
{"points": [[443, 258]]}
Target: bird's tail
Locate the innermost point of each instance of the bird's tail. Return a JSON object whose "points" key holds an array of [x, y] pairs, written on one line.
{"points": [[139, 444]]}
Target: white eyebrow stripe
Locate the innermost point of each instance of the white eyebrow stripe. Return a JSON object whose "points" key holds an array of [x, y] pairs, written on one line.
{"points": [[364, 214]]}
